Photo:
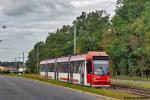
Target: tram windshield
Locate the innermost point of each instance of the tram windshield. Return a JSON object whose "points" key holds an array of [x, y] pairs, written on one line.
{"points": [[100, 67]]}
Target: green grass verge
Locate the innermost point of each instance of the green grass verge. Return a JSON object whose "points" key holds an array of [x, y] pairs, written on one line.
{"points": [[131, 78], [132, 81], [109, 93], [135, 84]]}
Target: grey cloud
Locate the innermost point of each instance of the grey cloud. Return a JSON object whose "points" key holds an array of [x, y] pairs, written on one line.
{"points": [[15, 7], [21, 7], [36, 14], [26, 11]]}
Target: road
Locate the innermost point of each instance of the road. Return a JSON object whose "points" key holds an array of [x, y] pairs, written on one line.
{"points": [[13, 88]]}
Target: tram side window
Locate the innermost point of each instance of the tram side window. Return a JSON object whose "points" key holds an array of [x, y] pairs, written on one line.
{"points": [[62, 67], [44, 68], [59, 67], [48, 67], [66, 67], [89, 67], [51, 67], [76, 66]]}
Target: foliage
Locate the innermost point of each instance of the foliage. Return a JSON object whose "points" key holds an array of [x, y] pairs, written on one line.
{"points": [[129, 48]]}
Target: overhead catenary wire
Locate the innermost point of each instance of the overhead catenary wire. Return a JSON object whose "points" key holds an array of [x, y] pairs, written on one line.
{"points": [[18, 41], [26, 27], [14, 49]]}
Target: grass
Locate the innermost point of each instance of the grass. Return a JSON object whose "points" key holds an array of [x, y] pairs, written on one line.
{"points": [[132, 81], [109, 93], [131, 78]]}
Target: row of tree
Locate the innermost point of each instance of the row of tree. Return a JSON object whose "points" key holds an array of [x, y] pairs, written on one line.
{"points": [[11, 64], [125, 37]]}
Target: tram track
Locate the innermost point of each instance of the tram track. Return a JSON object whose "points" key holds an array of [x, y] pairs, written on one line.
{"points": [[132, 90]]}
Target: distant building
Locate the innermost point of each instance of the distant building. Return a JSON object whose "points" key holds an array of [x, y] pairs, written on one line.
{"points": [[8, 68], [22, 69], [3, 68]]}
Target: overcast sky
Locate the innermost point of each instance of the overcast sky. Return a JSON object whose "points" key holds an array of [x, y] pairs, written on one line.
{"points": [[29, 21]]}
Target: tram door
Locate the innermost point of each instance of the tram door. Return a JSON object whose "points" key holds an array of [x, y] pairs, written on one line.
{"points": [[89, 71], [46, 70], [71, 71], [82, 66], [56, 73]]}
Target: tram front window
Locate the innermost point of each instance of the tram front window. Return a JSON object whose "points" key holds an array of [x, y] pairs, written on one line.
{"points": [[100, 67]]}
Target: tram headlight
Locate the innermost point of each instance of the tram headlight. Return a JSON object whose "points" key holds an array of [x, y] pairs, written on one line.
{"points": [[108, 79], [94, 78]]}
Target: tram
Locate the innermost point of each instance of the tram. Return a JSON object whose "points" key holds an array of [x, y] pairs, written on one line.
{"points": [[91, 69]]}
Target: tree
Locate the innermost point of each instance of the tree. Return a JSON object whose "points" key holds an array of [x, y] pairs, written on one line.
{"points": [[127, 48]]}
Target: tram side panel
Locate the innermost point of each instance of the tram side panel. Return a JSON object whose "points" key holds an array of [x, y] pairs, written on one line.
{"points": [[62, 68], [78, 71], [78, 74], [85, 74]]}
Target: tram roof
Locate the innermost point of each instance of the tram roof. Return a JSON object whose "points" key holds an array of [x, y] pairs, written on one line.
{"points": [[74, 58]]}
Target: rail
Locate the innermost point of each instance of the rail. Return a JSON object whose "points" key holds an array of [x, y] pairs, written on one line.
{"points": [[132, 90]]}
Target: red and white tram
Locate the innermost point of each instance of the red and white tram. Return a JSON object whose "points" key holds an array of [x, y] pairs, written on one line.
{"points": [[90, 69]]}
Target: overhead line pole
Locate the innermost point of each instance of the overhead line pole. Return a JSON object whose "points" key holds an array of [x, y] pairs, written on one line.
{"points": [[15, 62], [23, 59], [75, 39]]}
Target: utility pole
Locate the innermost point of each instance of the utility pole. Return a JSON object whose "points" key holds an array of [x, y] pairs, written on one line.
{"points": [[75, 38], [15, 62], [23, 59], [23, 62], [37, 59]]}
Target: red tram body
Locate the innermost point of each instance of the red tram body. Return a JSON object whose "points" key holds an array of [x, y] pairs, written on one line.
{"points": [[90, 69]]}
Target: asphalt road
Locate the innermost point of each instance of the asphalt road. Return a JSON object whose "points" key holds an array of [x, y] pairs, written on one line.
{"points": [[12, 88]]}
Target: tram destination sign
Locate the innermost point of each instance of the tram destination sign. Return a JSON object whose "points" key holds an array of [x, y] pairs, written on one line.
{"points": [[100, 58]]}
